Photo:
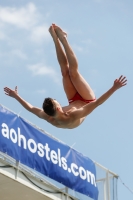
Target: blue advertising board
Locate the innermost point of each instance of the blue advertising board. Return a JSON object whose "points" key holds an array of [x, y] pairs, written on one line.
{"points": [[39, 151]]}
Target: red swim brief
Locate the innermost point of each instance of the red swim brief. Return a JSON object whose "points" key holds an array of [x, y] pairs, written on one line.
{"points": [[78, 97]]}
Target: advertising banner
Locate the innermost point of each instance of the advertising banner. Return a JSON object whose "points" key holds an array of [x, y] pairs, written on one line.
{"points": [[39, 151]]}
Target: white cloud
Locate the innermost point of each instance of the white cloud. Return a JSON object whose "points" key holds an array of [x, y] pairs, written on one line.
{"points": [[42, 70], [39, 33], [19, 53], [27, 18], [2, 36]]}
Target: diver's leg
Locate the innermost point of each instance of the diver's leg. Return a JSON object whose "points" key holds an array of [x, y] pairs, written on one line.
{"points": [[64, 66], [82, 87]]}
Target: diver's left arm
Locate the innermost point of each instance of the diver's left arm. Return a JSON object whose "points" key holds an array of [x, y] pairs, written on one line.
{"points": [[88, 108]]}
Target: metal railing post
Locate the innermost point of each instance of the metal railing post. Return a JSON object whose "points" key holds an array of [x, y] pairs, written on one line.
{"points": [[107, 186]]}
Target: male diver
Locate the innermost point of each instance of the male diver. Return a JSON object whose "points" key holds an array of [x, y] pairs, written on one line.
{"points": [[80, 96]]}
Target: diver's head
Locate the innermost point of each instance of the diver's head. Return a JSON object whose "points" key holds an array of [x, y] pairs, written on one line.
{"points": [[51, 106]]}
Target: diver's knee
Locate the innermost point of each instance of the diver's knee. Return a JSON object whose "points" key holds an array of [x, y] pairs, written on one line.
{"points": [[73, 73], [65, 73]]}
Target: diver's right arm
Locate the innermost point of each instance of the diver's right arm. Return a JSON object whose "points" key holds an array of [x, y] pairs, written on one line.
{"points": [[37, 111]]}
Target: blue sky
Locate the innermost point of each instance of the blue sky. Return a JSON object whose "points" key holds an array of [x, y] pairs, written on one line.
{"points": [[100, 33]]}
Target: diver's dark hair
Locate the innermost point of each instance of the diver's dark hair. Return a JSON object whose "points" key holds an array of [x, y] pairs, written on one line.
{"points": [[49, 107]]}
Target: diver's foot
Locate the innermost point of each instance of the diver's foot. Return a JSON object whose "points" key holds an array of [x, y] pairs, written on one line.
{"points": [[52, 32], [60, 33]]}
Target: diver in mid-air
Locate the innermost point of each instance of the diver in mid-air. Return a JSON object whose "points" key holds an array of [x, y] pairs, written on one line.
{"points": [[80, 96]]}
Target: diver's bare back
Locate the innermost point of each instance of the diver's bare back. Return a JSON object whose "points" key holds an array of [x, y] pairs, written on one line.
{"points": [[66, 121]]}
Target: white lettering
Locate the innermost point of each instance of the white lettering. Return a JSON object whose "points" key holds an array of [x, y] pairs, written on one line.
{"points": [[33, 150], [59, 157], [47, 152], [13, 132], [64, 163], [82, 173], [5, 131], [54, 157], [91, 178], [21, 137], [40, 150], [73, 167]]}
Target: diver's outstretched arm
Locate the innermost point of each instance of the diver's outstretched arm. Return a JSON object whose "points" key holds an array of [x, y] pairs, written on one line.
{"points": [[88, 108], [14, 94], [118, 83]]}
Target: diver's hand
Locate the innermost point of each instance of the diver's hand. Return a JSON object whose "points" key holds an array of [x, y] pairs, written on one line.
{"points": [[118, 83], [10, 92]]}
